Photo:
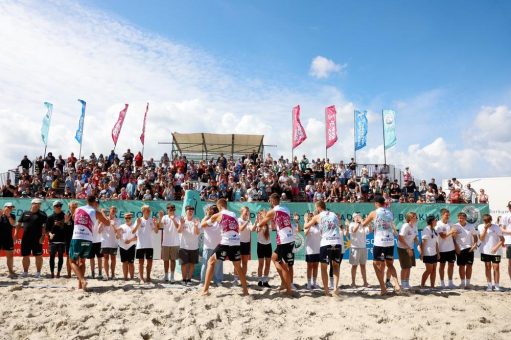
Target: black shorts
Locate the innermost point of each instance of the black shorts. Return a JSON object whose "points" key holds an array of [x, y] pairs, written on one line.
{"points": [[508, 251], [109, 251], [312, 258], [430, 259], [57, 248], [128, 255], [447, 256], [264, 250], [95, 251], [6, 242], [144, 253], [223, 252], [491, 258], [383, 253], [187, 256], [465, 257], [245, 248], [31, 247], [285, 253], [330, 253]]}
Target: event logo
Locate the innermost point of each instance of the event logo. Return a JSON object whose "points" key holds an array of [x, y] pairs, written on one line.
{"points": [[299, 243], [473, 214]]}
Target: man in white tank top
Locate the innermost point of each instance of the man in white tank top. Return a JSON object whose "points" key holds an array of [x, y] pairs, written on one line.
{"points": [[330, 246], [229, 247], [283, 257], [81, 243], [383, 250]]}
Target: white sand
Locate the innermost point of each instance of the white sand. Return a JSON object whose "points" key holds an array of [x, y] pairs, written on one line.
{"points": [[120, 310]]}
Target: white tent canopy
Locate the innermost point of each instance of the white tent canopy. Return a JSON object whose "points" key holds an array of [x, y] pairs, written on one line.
{"points": [[215, 143]]}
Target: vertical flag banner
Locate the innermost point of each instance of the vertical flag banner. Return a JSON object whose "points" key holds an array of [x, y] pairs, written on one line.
{"points": [[331, 126], [116, 131], [299, 134], [360, 129], [142, 136], [79, 131], [45, 128], [389, 128]]}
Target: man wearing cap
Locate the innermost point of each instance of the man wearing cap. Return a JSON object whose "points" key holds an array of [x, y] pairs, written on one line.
{"points": [[505, 225], [33, 222], [7, 223], [56, 230], [170, 241], [81, 243]]}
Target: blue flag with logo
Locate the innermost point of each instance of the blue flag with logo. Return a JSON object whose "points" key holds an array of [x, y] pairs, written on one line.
{"points": [[389, 128], [79, 132], [360, 129], [45, 128]]}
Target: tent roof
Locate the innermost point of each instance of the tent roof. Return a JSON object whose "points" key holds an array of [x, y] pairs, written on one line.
{"points": [[215, 143]]}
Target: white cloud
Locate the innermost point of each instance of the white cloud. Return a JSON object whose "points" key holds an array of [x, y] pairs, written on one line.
{"points": [[322, 67]]}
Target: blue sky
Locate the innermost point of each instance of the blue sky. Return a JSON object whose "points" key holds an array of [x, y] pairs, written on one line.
{"points": [[242, 65]]}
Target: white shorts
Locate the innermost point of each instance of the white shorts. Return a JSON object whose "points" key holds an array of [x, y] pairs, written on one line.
{"points": [[358, 256]]}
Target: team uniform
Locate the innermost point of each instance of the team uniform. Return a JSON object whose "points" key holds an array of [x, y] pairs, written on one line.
{"points": [[285, 235], [96, 243], [313, 244], [358, 244], [6, 228], [229, 247], [445, 245], [464, 240], [330, 248], [409, 232], [263, 245], [145, 239], [170, 241], [83, 231], [33, 224], [189, 244], [245, 237], [127, 249], [429, 244], [108, 239], [491, 240], [383, 235], [506, 224]]}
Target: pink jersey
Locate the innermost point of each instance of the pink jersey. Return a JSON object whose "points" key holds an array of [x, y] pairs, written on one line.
{"points": [[229, 228], [282, 223]]}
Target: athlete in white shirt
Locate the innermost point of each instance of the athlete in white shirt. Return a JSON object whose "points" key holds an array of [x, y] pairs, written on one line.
{"points": [[143, 229], [505, 225], [330, 244], [229, 246], [358, 248], [81, 243], [283, 257], [429, 251], [189, 245], [127, 241], [109, 243], [405, 247], [313, 241], [465, 243], [170, 241], [446, 247], [212, 238], [264, 250], [491, 250], [245, 235], [383, 250]]}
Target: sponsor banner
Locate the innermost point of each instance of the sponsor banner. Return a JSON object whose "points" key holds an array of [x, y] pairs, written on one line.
{"points": [[345, 210]]}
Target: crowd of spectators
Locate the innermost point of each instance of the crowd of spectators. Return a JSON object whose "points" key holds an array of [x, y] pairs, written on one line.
{"points": [[249, 178]]}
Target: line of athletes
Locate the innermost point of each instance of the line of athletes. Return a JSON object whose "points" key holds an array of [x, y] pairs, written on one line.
{"points": [[225, 237]]}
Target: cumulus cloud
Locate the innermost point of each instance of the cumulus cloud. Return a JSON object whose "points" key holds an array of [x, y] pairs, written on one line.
{"points": [[322, 67]]}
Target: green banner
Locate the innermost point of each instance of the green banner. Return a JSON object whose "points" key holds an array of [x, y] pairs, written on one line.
{"points": [[346, 210]]}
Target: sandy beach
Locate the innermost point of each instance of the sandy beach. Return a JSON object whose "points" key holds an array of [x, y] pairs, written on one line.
{"points": [[54, 309]]}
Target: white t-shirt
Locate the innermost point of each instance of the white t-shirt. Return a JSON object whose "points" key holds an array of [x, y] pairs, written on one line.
{"points": [[409, 233], [505, 222], [358, 239], [170, 234], [465, 236], [245, 234], [313, 240], [429, 241], [212, 235], [329, 226], [260, 236], [144, 237], [108, 239], [189, 240], [444, 244], [96, 236], [383, 232], [282, 223], [492, 238], [85, 219], [126, 234]]}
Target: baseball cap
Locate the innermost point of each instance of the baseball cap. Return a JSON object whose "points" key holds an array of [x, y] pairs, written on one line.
{"points": [[58, 203], [37, 201], [189, 207], [8, 205]]}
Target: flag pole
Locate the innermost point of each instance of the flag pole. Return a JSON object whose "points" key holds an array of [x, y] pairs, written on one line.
{"points": [[354, 136], [383, 128], [326, 136], [292, 133]]}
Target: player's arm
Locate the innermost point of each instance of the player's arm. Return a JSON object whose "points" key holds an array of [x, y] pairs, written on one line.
{"points": [[369, 219], [269, 216]]}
